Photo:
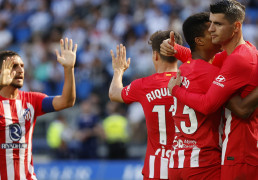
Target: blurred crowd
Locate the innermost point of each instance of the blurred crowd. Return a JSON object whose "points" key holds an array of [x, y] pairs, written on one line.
{"points": [[33, 28]]}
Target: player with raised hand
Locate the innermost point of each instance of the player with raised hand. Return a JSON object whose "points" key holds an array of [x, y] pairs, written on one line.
{"points": [[238, 73], [19, 110], [6, 76], [157, 103]]}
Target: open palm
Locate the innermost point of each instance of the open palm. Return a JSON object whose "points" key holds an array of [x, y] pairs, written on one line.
{"points": [[67, 57], [6, 76], [119, 62]]}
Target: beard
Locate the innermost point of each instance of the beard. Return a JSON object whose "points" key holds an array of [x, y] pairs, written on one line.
{"points": [[16, 85]]}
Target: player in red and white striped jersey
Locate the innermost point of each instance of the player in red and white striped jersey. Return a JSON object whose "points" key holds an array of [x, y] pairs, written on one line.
{"points": [[19, 110], [157, 103]]}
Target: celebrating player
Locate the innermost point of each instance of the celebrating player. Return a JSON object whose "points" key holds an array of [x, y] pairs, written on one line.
{"points": [[19, 110], [157, 103], [238, 74], [197, 154]]}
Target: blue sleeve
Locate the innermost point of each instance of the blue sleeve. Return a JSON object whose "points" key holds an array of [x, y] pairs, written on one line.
{"points": [[47, 104]]}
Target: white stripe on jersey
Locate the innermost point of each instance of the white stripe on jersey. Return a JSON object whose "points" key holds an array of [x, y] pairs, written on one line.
{"points": [[151, 166], [171, 161], [227, 131], [9, 152], [30, 167], [195, 157], [22, 140], [160, 109], [163, 168], [221, 125], [181, 158]]}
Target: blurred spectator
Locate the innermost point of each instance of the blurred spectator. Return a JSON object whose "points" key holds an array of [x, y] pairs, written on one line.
{"points": [[5, 35], [76, 32], [89, 129], [41, 21], [154, 16], [136, 120], [61, 9], [58, 136], [122, 21], [115, 126]]}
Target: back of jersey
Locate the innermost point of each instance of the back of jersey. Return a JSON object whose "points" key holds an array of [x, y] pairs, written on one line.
{"points": [[196, 142], [157, 103]]}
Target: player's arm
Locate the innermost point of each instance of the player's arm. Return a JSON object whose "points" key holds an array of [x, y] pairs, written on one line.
{"points": [[222, 88], [6, 75], [243, 108], [67, 59], [119, 64], [170, 48]]}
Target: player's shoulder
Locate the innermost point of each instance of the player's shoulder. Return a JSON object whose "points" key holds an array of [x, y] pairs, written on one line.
{"points": [[198, 65], [244, 56], [245, 51], [147, 79], [31, 94]]}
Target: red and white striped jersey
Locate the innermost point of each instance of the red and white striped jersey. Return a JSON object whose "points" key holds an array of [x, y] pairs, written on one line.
{"points": [[157, 105], [17, 121], [196, 142]]}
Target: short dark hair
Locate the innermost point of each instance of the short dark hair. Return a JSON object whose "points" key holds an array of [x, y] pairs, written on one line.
{"points": [[5, 54], [158, 37], [195, 26], [233, 10]]}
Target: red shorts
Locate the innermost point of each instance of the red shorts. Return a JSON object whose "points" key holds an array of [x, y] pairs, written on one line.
{"points": [[239, 172], [199, 173]]}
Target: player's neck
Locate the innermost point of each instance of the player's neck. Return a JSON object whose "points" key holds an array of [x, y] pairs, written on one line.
{"points": [[208, 57], [9, 92], [231, 45], [167, 67]]}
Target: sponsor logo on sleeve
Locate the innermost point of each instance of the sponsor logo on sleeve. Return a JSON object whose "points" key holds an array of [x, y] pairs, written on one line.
{"points": [[219, 80]]}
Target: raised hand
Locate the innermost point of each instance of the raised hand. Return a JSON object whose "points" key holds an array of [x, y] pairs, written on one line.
{"points": [[173, 82], [119, 62], [6, 76], [67, 57], [167, 46]]}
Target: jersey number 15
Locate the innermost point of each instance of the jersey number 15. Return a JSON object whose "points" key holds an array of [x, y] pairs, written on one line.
{"points": [[160, 109]]}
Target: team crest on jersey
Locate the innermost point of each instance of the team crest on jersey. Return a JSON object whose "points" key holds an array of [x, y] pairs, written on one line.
{"points": [[27, 114], [15, 132], [219, 80]]}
